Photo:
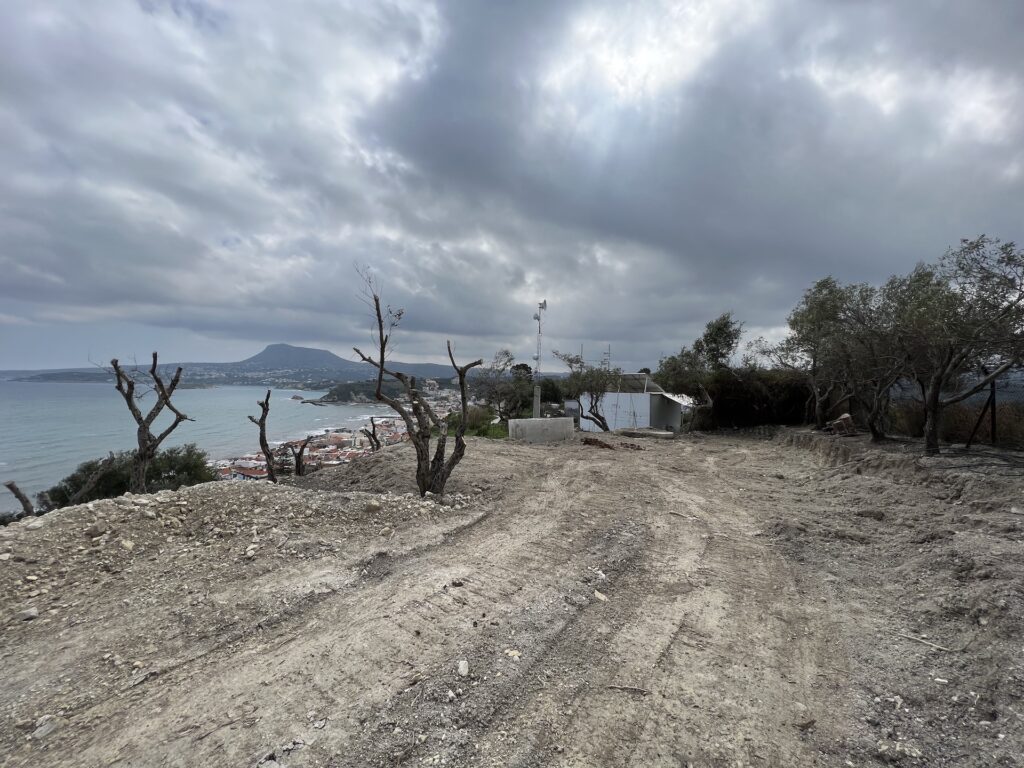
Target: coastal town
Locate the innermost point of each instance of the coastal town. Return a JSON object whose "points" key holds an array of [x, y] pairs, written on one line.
{"points": [[332, 446]]}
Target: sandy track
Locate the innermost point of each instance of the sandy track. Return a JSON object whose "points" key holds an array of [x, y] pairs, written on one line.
{"points": [[615, 608]]}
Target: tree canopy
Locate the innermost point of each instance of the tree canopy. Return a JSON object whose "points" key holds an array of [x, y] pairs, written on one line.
{"points": [[950, 327]]}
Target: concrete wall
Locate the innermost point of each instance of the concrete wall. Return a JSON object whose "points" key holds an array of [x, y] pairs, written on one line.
{"points": [[541, 430]]}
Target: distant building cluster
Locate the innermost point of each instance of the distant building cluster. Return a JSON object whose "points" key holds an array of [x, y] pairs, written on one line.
{"points": [[333, 448]]}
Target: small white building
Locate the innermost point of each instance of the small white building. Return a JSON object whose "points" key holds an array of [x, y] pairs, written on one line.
{"points": [[636, 402]]}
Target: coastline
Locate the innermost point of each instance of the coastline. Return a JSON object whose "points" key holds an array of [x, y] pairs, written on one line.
{"points": [[50, 429]]}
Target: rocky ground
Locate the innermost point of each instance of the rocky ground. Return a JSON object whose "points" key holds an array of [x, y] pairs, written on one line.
{"points": [[726, 600]]}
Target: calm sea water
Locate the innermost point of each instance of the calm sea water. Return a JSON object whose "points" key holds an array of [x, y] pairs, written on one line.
{"points": [[46, 430]]}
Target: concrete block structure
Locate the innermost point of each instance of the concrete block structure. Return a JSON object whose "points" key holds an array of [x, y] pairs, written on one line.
{"points": [[558, 430]]}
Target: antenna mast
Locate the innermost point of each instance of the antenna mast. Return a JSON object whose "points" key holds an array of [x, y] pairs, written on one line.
{"points": [[538, 316]]}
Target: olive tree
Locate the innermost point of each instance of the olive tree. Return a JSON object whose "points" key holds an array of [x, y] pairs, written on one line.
{"points": [[696, 370], [960, 324], [590, 381], [811, 346], [866, 353]]}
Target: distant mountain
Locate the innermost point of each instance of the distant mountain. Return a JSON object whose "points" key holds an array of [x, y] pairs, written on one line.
{"points": [[278, 365], [276, 357], [281, 357]]}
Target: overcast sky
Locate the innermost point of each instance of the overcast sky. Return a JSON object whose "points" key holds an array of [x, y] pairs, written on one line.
{"points": [[200, 177]]}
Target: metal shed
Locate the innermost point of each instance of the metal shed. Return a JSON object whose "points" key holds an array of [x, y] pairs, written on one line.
{"points": [[637, 402]]}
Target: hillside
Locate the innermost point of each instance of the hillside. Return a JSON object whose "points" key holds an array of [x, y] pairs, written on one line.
{"points": [[281, 356], [708, 601], [277, 365], [365, 391]]}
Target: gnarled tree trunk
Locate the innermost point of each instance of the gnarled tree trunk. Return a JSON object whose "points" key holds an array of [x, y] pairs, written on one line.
{"points": [[371, 435], [27, 509], [264, 405], [300, 464], [593, 413], [932, 417]]}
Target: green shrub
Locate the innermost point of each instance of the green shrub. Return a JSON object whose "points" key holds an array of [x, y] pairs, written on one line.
{"points": [[493, 431], [477, 416], [551, 391], [478, 423], [170, 469]]}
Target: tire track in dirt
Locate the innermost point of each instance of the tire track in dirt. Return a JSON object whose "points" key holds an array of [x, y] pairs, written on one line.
{"points": [[699, 613], [577, 551], [748, 693], [690, 615], [377, 626]]}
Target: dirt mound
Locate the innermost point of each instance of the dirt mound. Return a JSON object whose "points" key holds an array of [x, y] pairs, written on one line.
{"points": [[395, 468], [938, 557]]}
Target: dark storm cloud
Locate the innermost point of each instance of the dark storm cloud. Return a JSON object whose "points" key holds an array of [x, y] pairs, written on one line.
{"points": [[220, 167]]}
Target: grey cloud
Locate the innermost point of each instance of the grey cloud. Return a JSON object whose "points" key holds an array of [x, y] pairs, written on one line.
{"points": [[220, 167]]}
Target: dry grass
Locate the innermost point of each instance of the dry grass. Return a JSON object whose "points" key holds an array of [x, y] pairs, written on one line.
{"points": [[958, 420]]}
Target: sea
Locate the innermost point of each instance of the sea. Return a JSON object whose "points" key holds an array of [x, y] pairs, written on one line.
{"points": [[48, 429]]}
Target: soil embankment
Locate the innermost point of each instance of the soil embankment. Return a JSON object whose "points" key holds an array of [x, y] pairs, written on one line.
{"points": [[707, 601]]}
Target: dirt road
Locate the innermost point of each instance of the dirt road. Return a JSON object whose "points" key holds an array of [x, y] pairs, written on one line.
{"points": [[706, 601]]}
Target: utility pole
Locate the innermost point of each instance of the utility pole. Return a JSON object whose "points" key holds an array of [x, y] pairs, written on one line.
{"points": [[539, 317]]}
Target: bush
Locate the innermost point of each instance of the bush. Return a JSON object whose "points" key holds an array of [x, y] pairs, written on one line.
{"points": [[494, 431], [169, 470], [476, 416], [551, 391], [478, 422]]}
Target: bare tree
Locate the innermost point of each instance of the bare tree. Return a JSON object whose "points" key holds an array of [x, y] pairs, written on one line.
{"points": [[148, 442], [264, 445], [371, 435], [297, 455], [432, 472], [27, 509]]}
